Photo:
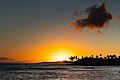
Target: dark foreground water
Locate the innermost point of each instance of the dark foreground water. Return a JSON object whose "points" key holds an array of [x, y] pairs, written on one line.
{"points": [[58, 72]]}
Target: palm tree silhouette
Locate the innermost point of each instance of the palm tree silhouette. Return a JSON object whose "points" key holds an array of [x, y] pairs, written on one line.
{"points": [[72, 58]]}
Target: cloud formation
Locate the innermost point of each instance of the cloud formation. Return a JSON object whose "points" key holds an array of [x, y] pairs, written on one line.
{"points": [[96, 19], [5, 59], [76, 13]]}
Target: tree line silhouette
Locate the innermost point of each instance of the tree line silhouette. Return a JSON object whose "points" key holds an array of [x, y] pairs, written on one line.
{"points": [[98, 60]]}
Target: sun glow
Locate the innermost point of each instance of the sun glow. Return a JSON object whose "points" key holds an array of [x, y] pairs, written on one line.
{"points": [[61, 55]]}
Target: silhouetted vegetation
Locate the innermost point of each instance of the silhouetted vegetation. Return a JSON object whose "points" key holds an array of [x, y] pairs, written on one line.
{"points": [[73, 58], [96, 61]]}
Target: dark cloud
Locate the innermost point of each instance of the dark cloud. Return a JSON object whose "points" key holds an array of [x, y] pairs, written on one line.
{"points": [[76, 13], [97, 18], [5, 59]]}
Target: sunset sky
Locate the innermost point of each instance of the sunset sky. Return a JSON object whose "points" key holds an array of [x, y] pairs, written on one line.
{"points": [[40, 30]]}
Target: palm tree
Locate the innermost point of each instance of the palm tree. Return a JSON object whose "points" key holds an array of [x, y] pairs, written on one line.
{"points": [[96, 56], [105, 58], [100, 55], [76, 58], [72, 58], [119, 57], [108, 57], [111, 57], [114, 57], [82, 57], [92, 56]]}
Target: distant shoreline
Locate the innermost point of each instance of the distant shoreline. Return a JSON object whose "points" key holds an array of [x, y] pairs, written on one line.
{"points": [[109, 60]]}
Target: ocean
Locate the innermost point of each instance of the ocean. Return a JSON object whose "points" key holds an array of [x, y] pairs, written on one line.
{"points": [[58, 72]]}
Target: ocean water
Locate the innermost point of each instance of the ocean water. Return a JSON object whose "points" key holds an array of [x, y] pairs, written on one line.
{"points": [[58, 72]]}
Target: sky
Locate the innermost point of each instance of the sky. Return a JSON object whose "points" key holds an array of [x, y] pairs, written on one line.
{"points": [[40, 30]]}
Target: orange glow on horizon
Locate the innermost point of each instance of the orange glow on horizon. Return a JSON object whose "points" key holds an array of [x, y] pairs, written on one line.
{"points": [[61, 55], [48, 52]]}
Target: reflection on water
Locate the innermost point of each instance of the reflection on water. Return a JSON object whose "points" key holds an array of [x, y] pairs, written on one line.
{"points": [[58, 72]]}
